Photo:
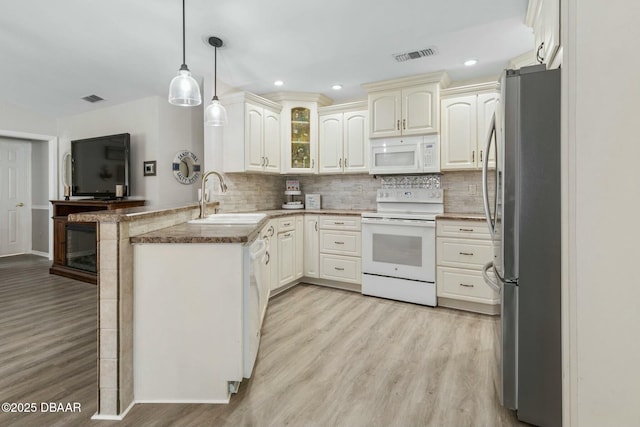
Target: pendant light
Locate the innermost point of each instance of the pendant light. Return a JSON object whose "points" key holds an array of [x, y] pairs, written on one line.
{"points": [[184, 90], [215, 114]]}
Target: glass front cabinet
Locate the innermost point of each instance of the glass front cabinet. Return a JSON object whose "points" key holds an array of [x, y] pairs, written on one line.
{"points": [[299, 118]]}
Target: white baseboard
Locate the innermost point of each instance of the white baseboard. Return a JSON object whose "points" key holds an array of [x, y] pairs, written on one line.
{"points": [[39, 253], [120, 417]]}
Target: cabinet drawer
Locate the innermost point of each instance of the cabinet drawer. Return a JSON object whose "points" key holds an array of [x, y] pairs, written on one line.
{"points": [[465, 285], [340, 242], [463, 253], [340, 268], [340, 222], [287, 223], [465, 229]]}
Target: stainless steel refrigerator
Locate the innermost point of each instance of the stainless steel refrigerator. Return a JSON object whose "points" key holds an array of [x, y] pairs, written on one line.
{"points": [[523, 214]]}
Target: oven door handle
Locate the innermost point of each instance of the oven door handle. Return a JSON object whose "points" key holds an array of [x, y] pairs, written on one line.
{"points": [[401, 222]]}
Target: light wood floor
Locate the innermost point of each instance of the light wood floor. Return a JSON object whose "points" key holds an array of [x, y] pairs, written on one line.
{"points": [[327, 358]]}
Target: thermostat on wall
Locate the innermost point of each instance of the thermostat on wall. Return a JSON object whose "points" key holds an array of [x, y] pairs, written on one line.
{"points": [[312, 201]]}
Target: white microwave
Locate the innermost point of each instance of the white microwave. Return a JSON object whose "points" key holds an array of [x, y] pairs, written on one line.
{"points": [[403, 155]]}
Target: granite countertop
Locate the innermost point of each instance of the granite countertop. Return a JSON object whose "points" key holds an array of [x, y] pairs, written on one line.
{"points": [[134, 214], [196, 233], [462, 216]]}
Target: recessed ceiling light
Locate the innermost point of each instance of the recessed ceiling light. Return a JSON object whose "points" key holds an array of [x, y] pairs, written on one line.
{"points": [[278, 83], [336, 87], [470, 62]]}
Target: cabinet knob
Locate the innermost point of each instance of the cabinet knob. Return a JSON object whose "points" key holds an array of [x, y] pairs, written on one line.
{"points": [[339, 268], [480, 156], [398, 124], [404, 124], [340, 162], [466, 286], [473, 156], [266, 161], [466, 253], [345, 162], [19, 205]]}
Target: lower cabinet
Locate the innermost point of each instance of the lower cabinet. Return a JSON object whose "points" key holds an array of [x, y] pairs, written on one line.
{"points": [[286, 256], [290, 250], [340, 249], [321, 249], [311, 246], [463, 247], [270, 270]]}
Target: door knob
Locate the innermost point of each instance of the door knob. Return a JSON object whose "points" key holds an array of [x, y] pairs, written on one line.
{"points": [[19, 205]]}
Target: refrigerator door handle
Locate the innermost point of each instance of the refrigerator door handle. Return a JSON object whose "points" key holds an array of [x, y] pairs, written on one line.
{"points": [[485, 188], [493, 285]]}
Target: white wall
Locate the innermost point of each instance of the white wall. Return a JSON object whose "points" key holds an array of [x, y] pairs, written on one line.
{"points": [[158, 130], [180, 129], [16, 119], [602, 89]]}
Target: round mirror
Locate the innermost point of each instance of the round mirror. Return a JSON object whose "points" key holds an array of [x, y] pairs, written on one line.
{"points": [[186, 167]]}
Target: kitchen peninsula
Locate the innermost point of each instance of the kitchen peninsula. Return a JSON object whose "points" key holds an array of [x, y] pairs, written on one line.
{"points": [[206, 264]]}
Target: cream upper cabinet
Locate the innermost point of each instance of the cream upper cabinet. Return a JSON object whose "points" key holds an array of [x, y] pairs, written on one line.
{"points": [[465, 126], [344, 139], [408, 111], [459, 136], [487, 103], [271, 144], [385, 113], [251, 140], [406, 106], [544, 17], [299, 130]]}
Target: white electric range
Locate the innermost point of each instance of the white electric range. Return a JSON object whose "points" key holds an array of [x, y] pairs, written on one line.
{"points": [[399, 245]]}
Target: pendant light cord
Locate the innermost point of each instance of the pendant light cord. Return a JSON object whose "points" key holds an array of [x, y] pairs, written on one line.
{"points": [[184, 60], [215, 73]]}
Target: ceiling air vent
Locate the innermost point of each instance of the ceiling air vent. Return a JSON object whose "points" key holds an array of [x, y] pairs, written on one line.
{"points": [[402, 57], [93, 98]]}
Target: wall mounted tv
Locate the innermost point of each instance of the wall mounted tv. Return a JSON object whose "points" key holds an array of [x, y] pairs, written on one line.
{"points": [[99, 164]]}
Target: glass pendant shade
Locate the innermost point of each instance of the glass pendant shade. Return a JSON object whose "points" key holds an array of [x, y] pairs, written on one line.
{"points": [[184, 90], [215, 114]]}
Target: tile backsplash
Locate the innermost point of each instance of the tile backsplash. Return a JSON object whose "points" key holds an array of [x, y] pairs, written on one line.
{"points": [[463, 191], [250, 192], [342, 191]]}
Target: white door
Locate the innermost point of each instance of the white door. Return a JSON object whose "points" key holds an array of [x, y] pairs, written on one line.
{"points": [[486, 107], [15, 197], [459, 133], [286, 258], [271, 141], [419, 109], [254, 138], [384, 110], [356, 141], [311, 246], [330, 156], [399, 248]]}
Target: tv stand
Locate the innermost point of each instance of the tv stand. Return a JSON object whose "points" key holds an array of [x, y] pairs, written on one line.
{"points": [[75, 243]]}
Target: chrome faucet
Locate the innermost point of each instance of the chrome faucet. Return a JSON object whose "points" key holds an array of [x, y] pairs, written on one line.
{"points": [[223, 188]]}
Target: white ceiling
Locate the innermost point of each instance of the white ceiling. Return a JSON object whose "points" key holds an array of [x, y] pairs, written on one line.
{"points": [[55, 52]]}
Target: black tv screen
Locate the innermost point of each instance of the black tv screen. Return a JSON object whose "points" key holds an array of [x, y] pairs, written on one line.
{"points": [[99, 164]]}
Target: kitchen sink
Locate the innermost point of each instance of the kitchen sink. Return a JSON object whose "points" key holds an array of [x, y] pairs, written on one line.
{"points": [[230, 219]]}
